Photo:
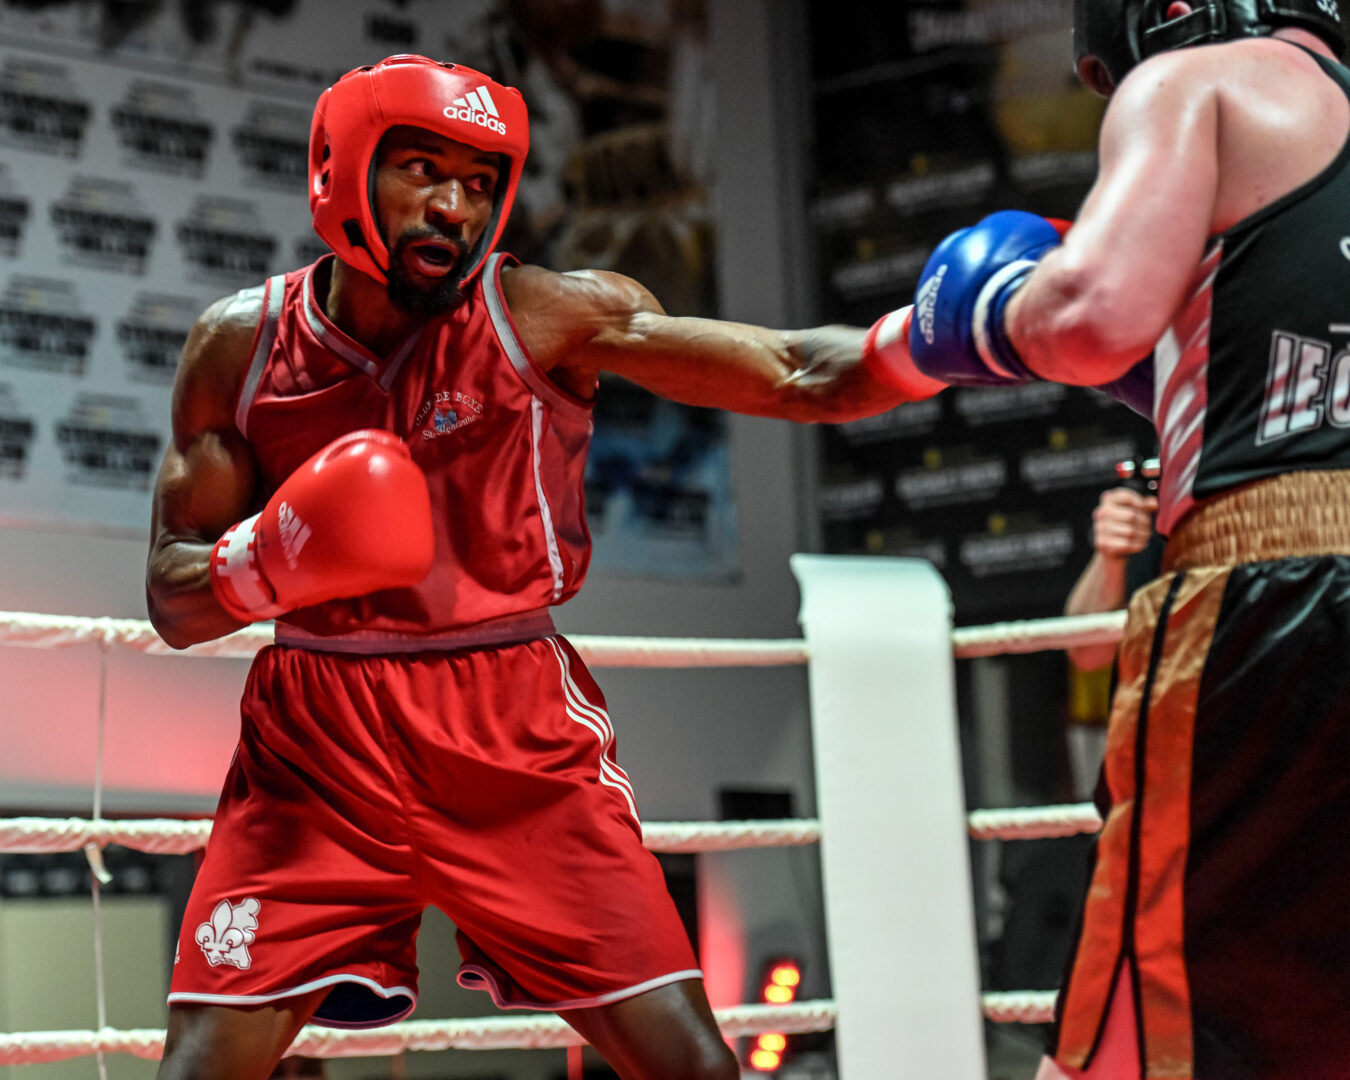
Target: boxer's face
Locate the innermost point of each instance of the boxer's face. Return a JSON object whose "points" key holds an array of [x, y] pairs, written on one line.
{"points": [[433, 199]]}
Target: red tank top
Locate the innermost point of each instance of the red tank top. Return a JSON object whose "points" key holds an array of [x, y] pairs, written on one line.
{"points": [[503, 449]]}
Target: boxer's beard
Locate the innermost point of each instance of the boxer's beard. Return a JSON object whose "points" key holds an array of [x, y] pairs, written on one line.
{"points": [[442, 295]]}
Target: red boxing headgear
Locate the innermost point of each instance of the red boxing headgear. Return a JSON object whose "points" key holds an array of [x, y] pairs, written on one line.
{"points": [[355, 112]]}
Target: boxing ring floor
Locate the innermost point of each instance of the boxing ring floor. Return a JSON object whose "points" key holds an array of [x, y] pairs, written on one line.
{"points": [[879, 648]]}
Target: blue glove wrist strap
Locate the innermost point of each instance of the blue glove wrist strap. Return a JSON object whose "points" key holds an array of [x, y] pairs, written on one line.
{"points": [[989, 332]]}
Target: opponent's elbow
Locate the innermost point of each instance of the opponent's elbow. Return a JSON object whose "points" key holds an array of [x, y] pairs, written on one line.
{"points": [[1086, 331]]}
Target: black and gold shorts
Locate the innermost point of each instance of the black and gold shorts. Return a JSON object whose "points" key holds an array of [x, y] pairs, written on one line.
{"points": [[1222, 872]]}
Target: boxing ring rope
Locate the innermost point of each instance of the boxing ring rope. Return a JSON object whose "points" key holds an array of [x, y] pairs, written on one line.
{"points": [[29, 630], [169, 836], [881, 585]]}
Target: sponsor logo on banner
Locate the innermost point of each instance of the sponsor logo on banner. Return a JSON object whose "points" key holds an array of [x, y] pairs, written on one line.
{"points": [[158, 128], [950, 483], [105, 442], [43, 327], [37, 111], [152, 336], [1069, 466], [904, 543], [16, 435], [938, 28], [1055, 169], [388, 30], [958, 187], [15, 211], [993, 404], [851, 500], [225, 243], [908, 420], [272, 145], [896, 272], [100, 223], [309, 249], [1014, 546]]}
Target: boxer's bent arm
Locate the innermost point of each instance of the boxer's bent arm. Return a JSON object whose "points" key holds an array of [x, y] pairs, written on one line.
{"points": [[578, 325], [1099, 303], [206, 483]]}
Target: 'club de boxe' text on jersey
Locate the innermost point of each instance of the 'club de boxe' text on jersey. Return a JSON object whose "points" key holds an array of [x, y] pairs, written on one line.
{"points": [[1253, 377], [503, 449]]}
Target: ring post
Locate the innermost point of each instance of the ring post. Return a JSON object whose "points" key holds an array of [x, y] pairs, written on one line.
{"points": [[894, 852]]}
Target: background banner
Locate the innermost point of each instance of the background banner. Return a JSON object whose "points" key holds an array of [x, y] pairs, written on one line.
{"points": [[153, 158]]}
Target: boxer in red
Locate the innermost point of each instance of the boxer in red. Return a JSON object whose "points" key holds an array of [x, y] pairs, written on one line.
{"points": [[384, 452]]}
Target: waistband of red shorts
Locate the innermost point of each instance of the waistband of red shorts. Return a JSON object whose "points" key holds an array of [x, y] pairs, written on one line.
{"points": [[506, 630]]}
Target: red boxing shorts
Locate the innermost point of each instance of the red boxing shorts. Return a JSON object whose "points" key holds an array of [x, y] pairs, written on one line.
{"points": [[366, 787]]}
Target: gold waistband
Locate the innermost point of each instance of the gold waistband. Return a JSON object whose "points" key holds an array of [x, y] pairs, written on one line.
{"points": [[1296, 513]]}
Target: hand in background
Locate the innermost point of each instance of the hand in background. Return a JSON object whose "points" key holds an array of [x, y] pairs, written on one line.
{"points": [[1122, 524]]}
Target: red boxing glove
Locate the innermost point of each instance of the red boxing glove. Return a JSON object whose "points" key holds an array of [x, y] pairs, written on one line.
{"points": [[354, 518], [886, 357]]}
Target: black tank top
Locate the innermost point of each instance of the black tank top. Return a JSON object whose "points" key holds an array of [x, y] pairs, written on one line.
{"points": [[1253, 377]]}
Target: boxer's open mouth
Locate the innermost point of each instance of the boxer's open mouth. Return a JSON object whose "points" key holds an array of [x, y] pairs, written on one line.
{"points": [[432, 258]]}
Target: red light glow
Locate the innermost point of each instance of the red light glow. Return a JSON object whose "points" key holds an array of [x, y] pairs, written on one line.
{"points": [[786, 975]]}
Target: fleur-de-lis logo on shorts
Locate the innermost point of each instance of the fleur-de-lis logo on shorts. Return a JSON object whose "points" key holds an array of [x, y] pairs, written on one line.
{"points": [[226, 937]]}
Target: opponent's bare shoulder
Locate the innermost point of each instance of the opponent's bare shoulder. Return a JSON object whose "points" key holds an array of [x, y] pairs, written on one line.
{"points": [[1176, 81], [556, 314], [215, 361]]}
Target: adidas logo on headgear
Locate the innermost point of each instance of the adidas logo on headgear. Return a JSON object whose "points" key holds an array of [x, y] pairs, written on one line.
{"points": [[476, 107]]}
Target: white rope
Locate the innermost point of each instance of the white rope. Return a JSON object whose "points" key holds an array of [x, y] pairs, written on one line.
{"points": [[1033, 822], [1031, 635], [1035, 635], [1019, 1006], [168, 837], [159, 836], [59, 631], [530, 1032]]}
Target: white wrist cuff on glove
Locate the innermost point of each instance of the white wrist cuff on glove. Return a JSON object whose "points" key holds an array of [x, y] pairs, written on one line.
{"points": [[235, 577]]}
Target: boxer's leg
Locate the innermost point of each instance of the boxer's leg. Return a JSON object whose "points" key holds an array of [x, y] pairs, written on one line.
{"points": [[228, 1042], [664, 1034], [1117, 1056]]}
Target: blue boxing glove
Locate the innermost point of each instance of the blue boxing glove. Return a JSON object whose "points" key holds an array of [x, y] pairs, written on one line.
{"points": [[957, 333]]}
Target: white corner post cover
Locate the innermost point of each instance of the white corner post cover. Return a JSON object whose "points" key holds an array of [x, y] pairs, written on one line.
{"points": [[894, 849]]}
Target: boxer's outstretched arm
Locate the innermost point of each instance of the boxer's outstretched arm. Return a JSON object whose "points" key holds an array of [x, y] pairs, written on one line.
{"points": [[206, 482], [579, 324], [1099, 303]]}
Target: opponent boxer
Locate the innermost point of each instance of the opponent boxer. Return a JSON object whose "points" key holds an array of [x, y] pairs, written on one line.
{"points": [[1215, 942], [385, 451]]}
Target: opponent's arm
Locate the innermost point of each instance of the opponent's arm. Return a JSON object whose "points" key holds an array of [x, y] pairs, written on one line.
{"points": [[1102, 300], [1016, 297], [579, 324], [206, 481]]}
